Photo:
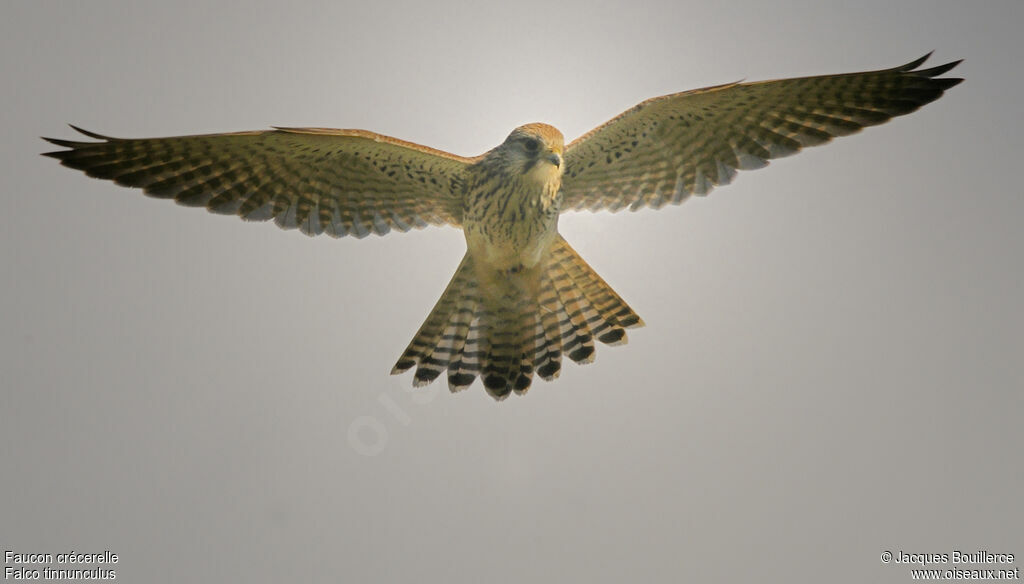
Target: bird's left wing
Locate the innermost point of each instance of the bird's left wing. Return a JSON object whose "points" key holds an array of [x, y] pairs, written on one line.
{"points": [[338, 182], [670, 147]]}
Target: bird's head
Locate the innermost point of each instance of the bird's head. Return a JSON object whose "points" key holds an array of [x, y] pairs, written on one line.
{"points": [[534, 150]]}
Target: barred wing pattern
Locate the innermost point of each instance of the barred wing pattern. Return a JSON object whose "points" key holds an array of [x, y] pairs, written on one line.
{"points": [[667, 148], [338, 182]]}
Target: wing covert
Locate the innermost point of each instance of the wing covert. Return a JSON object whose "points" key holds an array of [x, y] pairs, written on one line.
{"points": [[338, 182], [667, 148]]}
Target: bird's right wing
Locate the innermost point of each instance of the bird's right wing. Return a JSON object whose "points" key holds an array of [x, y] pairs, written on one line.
{"points": [[338, 182]]}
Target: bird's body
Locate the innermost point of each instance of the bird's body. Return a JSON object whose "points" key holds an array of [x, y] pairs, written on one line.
{"points": [[522, 297], [512, 199]]}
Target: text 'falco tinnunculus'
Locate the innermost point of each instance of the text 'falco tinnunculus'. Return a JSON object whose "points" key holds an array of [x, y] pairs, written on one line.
{"points": [[521, 298]]}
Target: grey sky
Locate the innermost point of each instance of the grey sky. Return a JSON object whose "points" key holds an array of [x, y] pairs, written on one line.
{"points": [[831, 366]]}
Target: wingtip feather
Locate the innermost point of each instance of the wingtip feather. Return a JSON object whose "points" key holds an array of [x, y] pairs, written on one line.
{"points": [[90, 134], [63, 143], [937, 70], [915, 63]]}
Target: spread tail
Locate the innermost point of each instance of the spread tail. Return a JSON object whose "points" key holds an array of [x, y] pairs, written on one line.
{"points": [[504, 327]]}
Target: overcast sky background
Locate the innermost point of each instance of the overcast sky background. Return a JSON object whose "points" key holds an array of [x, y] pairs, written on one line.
{"points": [[831, 366]]}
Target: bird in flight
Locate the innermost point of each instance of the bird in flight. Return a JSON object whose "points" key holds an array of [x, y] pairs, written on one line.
{"points": [[522, 297]]}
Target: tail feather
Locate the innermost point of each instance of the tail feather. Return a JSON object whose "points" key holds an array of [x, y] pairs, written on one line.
{"points": [[509, 363], [428, 349], [527, 341], [517, 325], [577, 342], [465, 367], [549, 354], [452, 341], [611, 306], [501, 351]]}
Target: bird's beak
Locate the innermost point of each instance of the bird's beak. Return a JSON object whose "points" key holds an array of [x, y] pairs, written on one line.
{"points": [[555, 158]]}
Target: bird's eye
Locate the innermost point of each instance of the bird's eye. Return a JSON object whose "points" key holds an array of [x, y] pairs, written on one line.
{"points": [[531, 145]]}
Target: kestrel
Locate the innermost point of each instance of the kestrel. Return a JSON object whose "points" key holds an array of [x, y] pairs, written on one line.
{"points": [[522, 297]]}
